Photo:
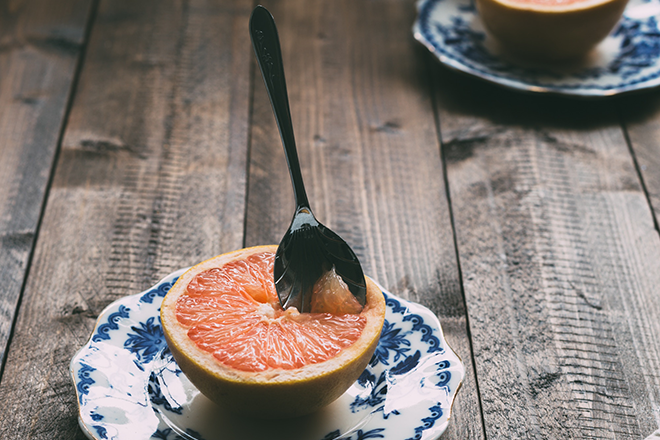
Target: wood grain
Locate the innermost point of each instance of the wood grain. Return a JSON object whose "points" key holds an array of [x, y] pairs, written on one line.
{"points": [[151, 178], [40, 44], [541, 255], [560, 260], [368, 147], [640, 115]]}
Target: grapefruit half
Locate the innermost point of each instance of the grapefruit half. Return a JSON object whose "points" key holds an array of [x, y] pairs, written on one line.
{"points": [[550, 29], [230, 336]]}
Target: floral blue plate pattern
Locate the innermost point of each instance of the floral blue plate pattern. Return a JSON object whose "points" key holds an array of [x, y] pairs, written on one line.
{"points": [[129, 387], [627, 60]]}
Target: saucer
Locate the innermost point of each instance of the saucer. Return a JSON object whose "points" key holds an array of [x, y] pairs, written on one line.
{"points": [[627, 60], [129, 387]]}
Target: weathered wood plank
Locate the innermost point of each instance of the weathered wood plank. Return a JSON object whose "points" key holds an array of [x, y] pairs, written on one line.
{"points": [[368, 146], [40, 44], [560, 260], [641, 116], [151, 178]]}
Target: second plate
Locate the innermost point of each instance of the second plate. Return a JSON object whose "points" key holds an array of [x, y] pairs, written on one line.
{"points": [[627, 60]]}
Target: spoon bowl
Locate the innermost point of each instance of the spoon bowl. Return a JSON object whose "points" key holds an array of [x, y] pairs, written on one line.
{"points": [[308, 249]]}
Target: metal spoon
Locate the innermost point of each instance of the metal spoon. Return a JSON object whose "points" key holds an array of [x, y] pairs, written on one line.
{"points": [[308, 249]]}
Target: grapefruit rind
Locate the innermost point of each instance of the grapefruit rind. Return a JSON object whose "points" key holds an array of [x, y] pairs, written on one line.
{"points": [[275, 392]]}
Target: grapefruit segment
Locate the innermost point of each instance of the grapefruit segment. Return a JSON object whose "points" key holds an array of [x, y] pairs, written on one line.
{"points": [[230, 336], [331, 295]]}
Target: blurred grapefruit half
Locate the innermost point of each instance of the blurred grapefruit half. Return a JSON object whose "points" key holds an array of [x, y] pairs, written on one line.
{"points": [[550, 29]]}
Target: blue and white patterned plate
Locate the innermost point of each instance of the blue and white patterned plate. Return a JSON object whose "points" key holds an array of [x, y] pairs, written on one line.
{"points": [[627, 60], [130, 388]]}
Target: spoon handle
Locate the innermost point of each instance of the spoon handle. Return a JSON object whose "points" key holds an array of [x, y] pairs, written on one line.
{"points": [[266, 43]]}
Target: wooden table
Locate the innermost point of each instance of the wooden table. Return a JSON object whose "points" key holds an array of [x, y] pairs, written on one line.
{"points": [[136, 138]]}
